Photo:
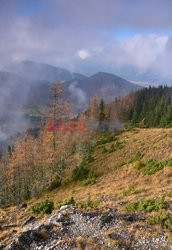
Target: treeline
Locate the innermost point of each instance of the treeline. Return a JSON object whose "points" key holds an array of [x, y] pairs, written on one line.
{"points": [[148, 107], [152, 107], [34, 165], [37, 164]]}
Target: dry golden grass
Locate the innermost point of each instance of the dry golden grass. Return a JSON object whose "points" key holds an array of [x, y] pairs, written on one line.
{"points": [[152, 143]]}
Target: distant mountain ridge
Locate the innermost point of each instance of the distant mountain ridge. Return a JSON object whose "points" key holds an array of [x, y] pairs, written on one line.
{"points": [[118, 85], [26, 90], [36, 78], [43, 72], [102, 84]]}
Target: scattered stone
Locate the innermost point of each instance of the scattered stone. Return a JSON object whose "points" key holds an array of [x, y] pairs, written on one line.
{"points": [[64, 230], [106, 219], [29, 220], [130, 218], [74, 223], [57, 220], [23, 205], [65, 207]]}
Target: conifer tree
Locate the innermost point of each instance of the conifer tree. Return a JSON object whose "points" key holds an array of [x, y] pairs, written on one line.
{"points": [[102, 115]]}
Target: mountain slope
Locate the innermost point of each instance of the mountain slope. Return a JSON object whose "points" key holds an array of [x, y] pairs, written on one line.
{"points": [[105, 85], [43, 72], [36, 78], [29, 86], [99, 216]]}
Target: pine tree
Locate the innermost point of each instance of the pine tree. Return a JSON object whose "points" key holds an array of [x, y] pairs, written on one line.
{"points": [[102, 115]]}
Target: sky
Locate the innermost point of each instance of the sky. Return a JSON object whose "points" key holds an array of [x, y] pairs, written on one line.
{"points": [[88, 36]]}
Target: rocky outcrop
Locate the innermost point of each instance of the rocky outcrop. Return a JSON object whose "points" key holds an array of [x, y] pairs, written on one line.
{"points": [[71, 228]]}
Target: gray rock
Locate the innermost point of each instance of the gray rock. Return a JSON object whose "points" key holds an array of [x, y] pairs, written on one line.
{"points": [[62, 208], [29, 220], [75, 223], [106, 219], [57, 220], [23, 205], [64, 230]]}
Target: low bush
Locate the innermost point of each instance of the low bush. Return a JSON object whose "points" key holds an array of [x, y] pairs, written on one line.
{"points": [[88, 158], [149, 167], [44, 207], [89, 204], [80, 173], [165, 219], [115, 146], [87, 147], [129, 126], [119, 145], [90, 181], [84, 173], [148, 205], [104, 150], [168, 162], [136, 157], [112, 148], [106, 137], [54, 184], [70, 201], [27, 194]]}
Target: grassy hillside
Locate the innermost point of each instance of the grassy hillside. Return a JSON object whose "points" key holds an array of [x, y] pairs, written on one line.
{"points": [[131, 173]]}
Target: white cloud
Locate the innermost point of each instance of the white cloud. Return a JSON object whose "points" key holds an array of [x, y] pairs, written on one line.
{"points": [[142, 51], [77, 93], [83, 54], [139, 51], [57, 38]]}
